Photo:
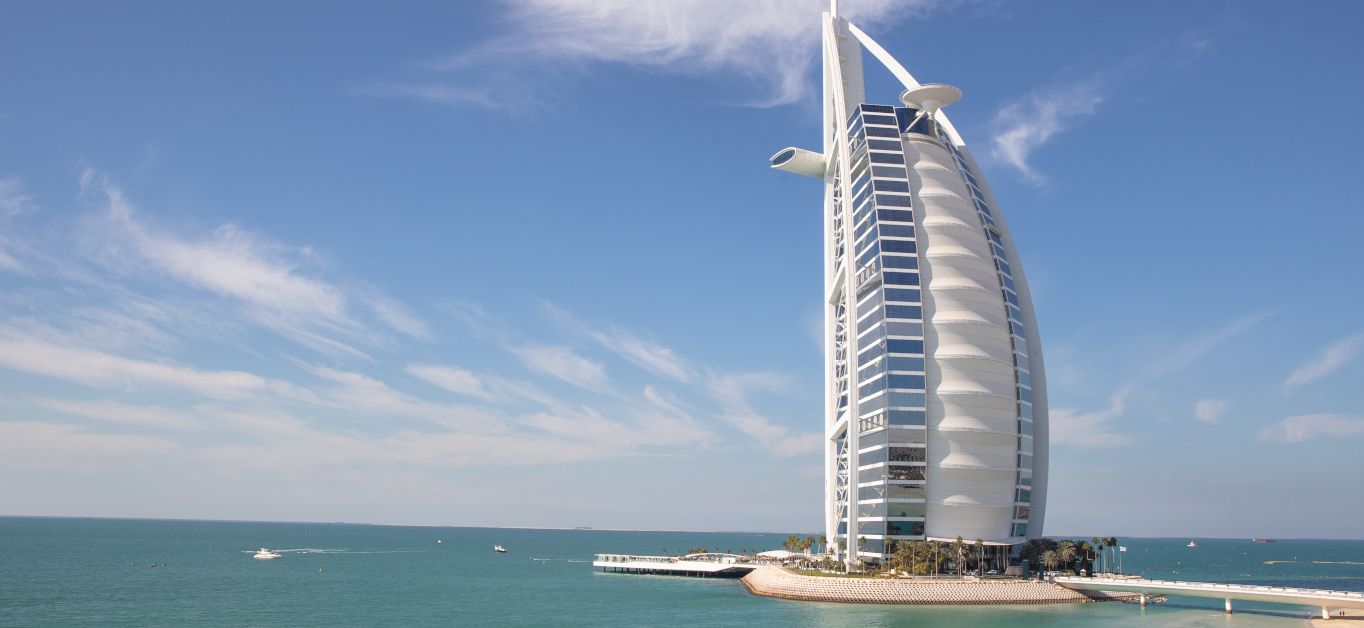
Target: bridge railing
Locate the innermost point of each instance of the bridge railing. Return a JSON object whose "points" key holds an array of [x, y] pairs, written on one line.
{"points": [[1219, 585]]}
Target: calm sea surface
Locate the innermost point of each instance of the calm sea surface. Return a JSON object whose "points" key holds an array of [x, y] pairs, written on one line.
{"points": [[72, 572]]}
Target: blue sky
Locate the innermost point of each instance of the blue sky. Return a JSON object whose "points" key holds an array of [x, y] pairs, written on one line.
{"points": [[524, 263]]}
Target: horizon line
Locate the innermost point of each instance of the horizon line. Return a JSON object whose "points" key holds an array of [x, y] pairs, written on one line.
{"points": [[596, 529]]}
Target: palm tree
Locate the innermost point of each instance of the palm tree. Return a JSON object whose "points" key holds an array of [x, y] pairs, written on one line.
{"points": [[1050, 559], [1098, 545], [1065, 551], [980, 557], [824, 543], [960, 546], [904, 556], [1112, 551]]}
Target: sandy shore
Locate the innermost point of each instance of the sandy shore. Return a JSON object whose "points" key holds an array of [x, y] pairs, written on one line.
{"points": [[781, 583], [1350, 618]]}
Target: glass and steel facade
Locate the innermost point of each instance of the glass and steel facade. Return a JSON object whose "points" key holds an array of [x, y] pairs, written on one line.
{"points": [[936, 407]]}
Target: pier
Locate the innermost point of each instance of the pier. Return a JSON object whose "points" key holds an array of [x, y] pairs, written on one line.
{"points": [[697, 565], [1312, 598]]}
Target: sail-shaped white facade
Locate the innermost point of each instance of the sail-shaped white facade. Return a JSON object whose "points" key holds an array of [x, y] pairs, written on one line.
{"points": [[936, 406]]}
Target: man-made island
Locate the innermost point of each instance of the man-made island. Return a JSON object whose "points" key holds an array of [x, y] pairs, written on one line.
{"points": [[773, 581]]}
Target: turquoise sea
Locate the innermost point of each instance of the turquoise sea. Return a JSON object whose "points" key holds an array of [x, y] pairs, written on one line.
{"points": [[97, 572]]}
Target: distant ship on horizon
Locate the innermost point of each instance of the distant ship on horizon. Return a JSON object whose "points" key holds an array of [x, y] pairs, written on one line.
{"points": [[1260, 540]]}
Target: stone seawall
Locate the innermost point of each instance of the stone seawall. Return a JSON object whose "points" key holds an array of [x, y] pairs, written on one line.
{"points": [[778, 582]]}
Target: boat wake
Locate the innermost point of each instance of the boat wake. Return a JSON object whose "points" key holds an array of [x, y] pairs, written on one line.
{"points": [[335, 550]]}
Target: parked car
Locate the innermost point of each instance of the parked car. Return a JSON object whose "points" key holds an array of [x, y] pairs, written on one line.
{"points": [[992, 572]]}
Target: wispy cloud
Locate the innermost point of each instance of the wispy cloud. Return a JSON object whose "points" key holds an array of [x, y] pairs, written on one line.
{"points": [[398, 317], [123, 414], [262, 276], [769, 45], [433, 93], [1210, 410], [453, 379], [647, 354], [369, 396], [733, 392], [1185, 353], [562, 363], [97, 369], [1090, 429], [13, 201], [1297, 429], [265, 282], [1030, 122], [1330, 359], [1098, 429], [651, 356], [147, 345], [1025, 125]]}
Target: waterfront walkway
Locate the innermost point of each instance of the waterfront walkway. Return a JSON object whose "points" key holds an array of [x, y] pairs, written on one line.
{"points": [[1313, 598], [773, 581]]}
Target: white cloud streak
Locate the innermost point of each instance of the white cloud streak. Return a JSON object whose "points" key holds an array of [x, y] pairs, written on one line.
{"points": [[230, 262], [733, 391], [13, 201], [563, 363], [271, 284], [106, 371], [1330, 360], [651, 356], [1024, 126], [450, 378], [1093, 430], [1297, 429], [646, 354], [1184, 354], [398, 317], [769, 44], [123, 414]]}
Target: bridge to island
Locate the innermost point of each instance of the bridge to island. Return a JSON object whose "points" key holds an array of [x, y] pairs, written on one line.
{"points": [[1313, 598]]}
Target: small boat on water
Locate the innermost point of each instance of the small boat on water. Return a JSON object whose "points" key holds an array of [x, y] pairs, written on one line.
{"points": [[1191, 544], [265, 554], [499, 549], [1259, 540]]}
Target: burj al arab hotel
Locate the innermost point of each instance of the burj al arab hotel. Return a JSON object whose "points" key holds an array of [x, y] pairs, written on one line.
{"points": [[936, 404]]}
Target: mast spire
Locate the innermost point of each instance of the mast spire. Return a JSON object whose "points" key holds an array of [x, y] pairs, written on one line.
{"points": [[833, 8]]}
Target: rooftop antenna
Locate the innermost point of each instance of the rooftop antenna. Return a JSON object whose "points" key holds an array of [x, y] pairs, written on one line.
{"points": [[928, 99]]}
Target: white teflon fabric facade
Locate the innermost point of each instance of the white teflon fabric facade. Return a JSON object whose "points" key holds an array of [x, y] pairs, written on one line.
{"points": [[971, 418]]}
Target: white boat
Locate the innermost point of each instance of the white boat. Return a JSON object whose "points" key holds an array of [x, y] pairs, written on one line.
{"points": [[1191, 544], [499, 549], [265, 554]]}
